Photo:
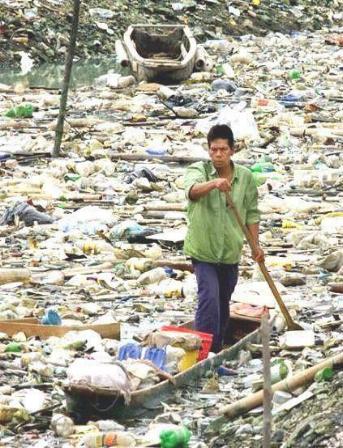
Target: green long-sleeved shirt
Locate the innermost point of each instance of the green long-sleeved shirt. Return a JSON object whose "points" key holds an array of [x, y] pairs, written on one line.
{"points": [[213, 233]]}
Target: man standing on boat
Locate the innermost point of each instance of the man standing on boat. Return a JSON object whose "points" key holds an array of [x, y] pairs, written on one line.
{"points": [[214, 239]]}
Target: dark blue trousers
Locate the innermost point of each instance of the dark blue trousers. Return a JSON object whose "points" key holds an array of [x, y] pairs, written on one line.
{"points": [[216, 283]]}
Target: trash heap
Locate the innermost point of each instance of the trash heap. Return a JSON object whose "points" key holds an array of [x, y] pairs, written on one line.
{"points": [[40, 30], [91, 248]]}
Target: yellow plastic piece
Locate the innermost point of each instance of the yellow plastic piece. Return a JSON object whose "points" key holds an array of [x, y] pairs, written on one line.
{"points": [[333, 215], [256, 2], [188, 360], [290, 225]]}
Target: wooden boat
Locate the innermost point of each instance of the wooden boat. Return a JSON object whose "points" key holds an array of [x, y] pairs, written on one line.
{"points": [[160, 53], [31, 327], [85, 403]]}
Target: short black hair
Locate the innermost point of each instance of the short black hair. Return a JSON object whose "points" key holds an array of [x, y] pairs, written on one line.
{"points": [[220, 131]]}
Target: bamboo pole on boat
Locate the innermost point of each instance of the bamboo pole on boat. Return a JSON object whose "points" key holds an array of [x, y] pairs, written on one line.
{"points": [[288, 385], [267, 383]]}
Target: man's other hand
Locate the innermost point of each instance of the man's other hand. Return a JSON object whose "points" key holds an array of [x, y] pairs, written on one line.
{"points": [[258, 255]]}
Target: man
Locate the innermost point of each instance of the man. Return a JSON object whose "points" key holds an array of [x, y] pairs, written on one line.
{"points": [[214, 240]]}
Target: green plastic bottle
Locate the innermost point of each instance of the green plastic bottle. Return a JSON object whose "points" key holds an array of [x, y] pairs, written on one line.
{"points": [[262, 167], [294, 74], [175, 438], [325, 374], [278, 371], [13, 347], [22, 111]]}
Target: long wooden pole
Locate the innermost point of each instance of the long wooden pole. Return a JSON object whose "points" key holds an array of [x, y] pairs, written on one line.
{"points": [[288, 385], [267, 383], [66, 79], [290, 323]]}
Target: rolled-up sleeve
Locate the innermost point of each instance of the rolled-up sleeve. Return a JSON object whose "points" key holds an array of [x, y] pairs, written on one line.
{"points": [[195, 174], [253, 215]]}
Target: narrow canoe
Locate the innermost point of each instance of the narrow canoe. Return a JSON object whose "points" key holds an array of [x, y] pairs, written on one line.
{"points": [[160, 53], [85, 404]]}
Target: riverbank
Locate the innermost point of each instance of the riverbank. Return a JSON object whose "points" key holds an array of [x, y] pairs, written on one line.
{"points": [[41, 29]]}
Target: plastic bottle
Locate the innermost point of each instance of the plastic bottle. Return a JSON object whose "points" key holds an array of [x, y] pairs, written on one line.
{"points": [[152, 276], [22, 111], [278, 371], [294, 74], [62, 425], [51, 317], [13, 347], [28, 358], [156, 151], [262, 167], [325, 374], [8, 275], [108, 439], [109, 194], [175, 438]]}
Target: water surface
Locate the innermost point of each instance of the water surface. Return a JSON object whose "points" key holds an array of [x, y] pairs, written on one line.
{"points": [[51, 75]]}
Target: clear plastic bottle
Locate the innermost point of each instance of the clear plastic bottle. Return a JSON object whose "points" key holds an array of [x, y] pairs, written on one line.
{"points": [[152, 276], [108, 439], [62, 425]]}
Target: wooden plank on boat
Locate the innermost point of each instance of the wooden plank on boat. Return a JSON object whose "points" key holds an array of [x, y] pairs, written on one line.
{"points": [[31, 327]]}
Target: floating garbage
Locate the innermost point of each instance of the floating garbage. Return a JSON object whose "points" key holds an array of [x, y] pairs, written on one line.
{"points": [[26, 213], [97, 235], [62, 425]]}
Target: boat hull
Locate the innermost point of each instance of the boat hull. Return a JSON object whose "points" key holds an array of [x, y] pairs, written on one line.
{"points": [[91, 405], [162, 70]]}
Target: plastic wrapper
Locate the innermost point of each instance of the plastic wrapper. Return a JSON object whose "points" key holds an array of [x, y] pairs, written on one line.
{"points": [[187, 341]]}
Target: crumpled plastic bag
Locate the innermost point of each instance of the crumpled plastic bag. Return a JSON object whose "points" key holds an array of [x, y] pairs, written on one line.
{"points": [[87, 220], [93, 374], [242, 122], [27, 213], [309, 240]]}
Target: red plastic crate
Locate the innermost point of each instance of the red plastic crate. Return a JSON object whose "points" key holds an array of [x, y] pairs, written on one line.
{"points": [[206, 339]]}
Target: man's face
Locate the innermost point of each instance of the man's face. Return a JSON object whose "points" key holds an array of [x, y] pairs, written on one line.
{"points": [[220, 152]]}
